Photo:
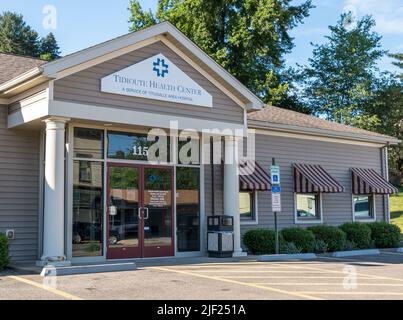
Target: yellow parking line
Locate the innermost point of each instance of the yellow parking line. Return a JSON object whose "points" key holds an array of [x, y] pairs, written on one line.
{"points": [[327, 284], [286, 292], [257, 271], [358, 274], [41, 286], [287, 277]]}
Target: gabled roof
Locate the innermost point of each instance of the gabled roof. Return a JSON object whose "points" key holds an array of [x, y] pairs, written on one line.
{"points": [[164, 30], [12, 65], [282, 119]]}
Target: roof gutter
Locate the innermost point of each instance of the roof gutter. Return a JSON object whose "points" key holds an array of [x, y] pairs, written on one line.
{"points": [[384, 140], [20, 79]]}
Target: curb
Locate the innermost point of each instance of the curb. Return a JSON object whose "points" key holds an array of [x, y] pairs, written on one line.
{"points": [[400, 250], [84, 269], [365, 252], [286, 257]]}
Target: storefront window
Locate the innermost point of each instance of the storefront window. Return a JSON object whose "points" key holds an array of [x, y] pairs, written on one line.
{"points": [[188, 208], [189, 151], [87, 208], [362, 207], [88, 143], [307, 206], [133, 146], [246, 205]]}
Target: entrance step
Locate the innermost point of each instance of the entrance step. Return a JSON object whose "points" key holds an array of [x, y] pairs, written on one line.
{"points": [[50, 270]]}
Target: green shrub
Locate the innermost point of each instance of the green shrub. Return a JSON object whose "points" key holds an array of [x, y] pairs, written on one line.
{"points": [[320, 246], [3, 251], [385, 235], [301, 238], [358, 233], [260, 241], [289, 248], [334, 237], [350, 245]]}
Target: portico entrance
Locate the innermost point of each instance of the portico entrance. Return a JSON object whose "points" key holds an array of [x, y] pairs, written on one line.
{"points": [[139, 211]]}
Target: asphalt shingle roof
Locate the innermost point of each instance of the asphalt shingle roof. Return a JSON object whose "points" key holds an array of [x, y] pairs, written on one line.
{"points": [[12, 65], [275, 115]]}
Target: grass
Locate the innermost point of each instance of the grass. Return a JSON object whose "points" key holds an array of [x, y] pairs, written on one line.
{"points": [[396, 210]]}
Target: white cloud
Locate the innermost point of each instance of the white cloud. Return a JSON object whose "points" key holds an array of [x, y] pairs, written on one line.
{"points": [[388, 14]]}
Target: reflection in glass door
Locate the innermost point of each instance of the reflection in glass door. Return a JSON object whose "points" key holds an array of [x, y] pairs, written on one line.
{"points": [[123, 212], [139, 205], [157, 212]]}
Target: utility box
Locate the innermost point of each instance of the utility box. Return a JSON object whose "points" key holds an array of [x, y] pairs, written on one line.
{"points": [[220, 236]]}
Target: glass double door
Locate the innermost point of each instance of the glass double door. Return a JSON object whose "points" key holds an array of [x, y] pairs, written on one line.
{"points": [[139, 207]]}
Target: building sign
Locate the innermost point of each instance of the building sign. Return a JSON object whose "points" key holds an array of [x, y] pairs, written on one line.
{"points": [[157, 78], [275, 189]]}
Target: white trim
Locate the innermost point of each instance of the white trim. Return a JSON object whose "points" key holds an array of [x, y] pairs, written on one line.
{"points": [[310, 221], [318, 137], [132, 117], [41, 190], [255, 220], [29, 113], [21, 78], [385, 172], [69, 191], [53, 68], [373, 208]]}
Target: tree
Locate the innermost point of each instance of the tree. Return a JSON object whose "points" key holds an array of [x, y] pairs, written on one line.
{"points": [[342, 78], [18, 38], [248, 38], [48, 47]]}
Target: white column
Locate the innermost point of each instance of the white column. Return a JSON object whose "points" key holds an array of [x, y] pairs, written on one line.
{"points": [[53, 220], [231, 191]]}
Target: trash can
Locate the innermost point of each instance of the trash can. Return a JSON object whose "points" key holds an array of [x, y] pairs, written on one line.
{"points": [[220, 236]]}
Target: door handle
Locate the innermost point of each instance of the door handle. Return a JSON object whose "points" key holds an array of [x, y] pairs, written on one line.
{"points": [[139, 212], [146, 211]]}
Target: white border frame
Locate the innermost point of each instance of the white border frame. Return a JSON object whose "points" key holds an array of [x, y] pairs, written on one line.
{"points": [[373, 207], [309, 221]]}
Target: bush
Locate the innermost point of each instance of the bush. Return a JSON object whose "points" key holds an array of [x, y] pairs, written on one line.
{"points": [[334, 237], [301, 238], [260, 241], [385, 235], [320, 246], [289, 248], [358, 233], [3, 251]]}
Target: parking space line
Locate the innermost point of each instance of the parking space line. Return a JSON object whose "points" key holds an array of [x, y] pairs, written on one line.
{"points": [[286, 277], [327, 284], [285, 292], [358, 274], [41, 286], [373, 293], [256, 271]]}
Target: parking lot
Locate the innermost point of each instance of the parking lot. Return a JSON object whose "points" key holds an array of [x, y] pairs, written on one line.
{"points": [[369, 277]]}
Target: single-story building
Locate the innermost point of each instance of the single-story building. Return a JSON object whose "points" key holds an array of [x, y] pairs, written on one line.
{"points": [[76, 134]]}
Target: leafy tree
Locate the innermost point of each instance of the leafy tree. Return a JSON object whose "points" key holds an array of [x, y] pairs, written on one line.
{"points": [[249, 38], [342, 78], [48, 47], [18, 38]]}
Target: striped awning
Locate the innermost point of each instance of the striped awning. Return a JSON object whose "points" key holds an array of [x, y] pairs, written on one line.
{"points": [[253, 177], [313, 178], [365, 181]]}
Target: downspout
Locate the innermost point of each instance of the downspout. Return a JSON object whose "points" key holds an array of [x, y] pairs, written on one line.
{"points": [[385, 173], [212, 176]]}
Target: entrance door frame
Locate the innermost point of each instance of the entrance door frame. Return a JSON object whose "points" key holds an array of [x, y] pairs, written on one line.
{"points": [[141, 247], [105, 160]]}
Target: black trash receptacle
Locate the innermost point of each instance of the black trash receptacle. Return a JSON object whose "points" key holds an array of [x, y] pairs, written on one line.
{"points": [[220, 236]]}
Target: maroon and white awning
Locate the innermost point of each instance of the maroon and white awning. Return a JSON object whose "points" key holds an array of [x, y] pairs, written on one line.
{"points": [[253, 177], [365, 181], [313, 178]]}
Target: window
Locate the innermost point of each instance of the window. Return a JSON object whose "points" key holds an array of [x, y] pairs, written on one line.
{"points": [[88, 143], [87, 208], [308, 207], [363, 208], [188, 208], [247, 207]]}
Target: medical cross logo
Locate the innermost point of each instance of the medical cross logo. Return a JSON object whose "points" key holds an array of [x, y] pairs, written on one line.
{"points": [[160, 67]]}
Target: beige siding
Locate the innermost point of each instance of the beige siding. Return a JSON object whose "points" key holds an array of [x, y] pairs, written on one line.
{"points": [[336, 158], [84, 87], [19, 188]]}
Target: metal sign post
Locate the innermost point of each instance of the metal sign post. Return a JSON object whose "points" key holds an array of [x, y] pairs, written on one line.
{"points": [[275, 198]]}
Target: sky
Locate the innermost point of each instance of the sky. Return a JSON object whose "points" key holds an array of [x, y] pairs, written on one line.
{"points": [[80, 24]]}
